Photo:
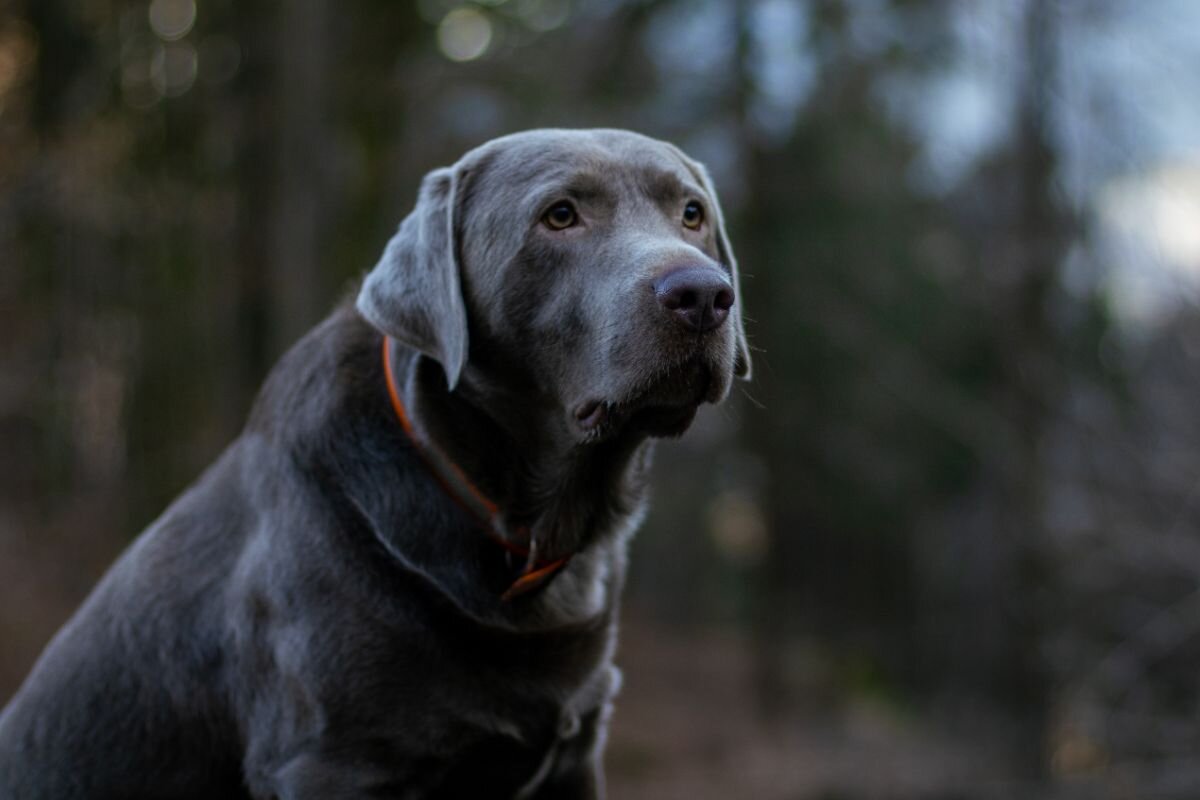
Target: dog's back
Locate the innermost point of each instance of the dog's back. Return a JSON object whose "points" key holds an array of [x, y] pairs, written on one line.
{"points": [[143, 692]]}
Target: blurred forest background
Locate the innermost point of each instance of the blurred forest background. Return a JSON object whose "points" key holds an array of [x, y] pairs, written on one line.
{"points": [[946, 544]]}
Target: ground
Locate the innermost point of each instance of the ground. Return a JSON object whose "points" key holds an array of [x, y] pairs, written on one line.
{"points": [[686, 727]]}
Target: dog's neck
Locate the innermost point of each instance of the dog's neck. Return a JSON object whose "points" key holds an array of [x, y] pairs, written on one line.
{"points": [[519, 456]]}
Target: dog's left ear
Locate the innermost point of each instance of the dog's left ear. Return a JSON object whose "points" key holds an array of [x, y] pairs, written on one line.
{"points": [[741, 363], [414, 293]]}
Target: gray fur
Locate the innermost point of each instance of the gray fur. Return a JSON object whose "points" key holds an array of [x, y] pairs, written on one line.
{"points": [[316, 617], [413, 294]]}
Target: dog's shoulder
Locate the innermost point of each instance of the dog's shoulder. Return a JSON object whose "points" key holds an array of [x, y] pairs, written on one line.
{"points": [[329, 369]]}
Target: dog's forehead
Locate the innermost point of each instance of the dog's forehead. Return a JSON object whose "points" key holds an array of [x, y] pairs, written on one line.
{"points": [[542, 157]]}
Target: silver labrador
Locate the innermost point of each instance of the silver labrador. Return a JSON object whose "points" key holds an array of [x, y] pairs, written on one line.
{"points": [[401, 580]]}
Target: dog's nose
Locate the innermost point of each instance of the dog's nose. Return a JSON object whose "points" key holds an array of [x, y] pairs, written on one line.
{"points": [[698, 297]]}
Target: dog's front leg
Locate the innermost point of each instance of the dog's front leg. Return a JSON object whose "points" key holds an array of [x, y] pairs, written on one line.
{"points": [[313, 776], [576, 773]]}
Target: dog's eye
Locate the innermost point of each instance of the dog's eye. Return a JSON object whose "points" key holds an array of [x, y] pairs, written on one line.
{"points": [[561, 215], [693, 215]]}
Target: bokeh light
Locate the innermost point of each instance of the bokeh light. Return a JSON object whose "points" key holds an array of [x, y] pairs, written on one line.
{"points": [[173, 69], [464, 34], [172, 19], [543, 15], [137, 87]]}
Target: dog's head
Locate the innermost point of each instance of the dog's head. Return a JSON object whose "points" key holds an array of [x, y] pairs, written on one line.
{"points": [[588, 269]]}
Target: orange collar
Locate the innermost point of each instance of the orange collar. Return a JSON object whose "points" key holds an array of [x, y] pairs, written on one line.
{"points": [[536, 571]]}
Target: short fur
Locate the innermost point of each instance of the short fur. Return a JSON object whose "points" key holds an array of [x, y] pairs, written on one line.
{"points": [[316, 617]]}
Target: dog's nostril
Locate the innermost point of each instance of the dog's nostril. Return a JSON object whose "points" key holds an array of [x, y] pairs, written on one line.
{"points": [[699, 298]]}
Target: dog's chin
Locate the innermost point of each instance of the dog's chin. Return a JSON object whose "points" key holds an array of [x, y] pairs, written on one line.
{"points": [[664, 408], [663, 421]]}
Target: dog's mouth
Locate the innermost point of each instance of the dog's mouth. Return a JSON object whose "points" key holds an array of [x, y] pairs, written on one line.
{"points": [[665, 407]]}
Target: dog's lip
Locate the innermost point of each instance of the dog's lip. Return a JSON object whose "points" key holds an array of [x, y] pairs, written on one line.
{"points": [[598, 417], [591, 414]]}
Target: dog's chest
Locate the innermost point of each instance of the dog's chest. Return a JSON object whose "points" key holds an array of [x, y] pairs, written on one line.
{"points": [[577, 724], [511, 745], [450, 739]]}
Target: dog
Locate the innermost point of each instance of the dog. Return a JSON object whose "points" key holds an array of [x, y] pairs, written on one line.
{"points": [[402, 579]]}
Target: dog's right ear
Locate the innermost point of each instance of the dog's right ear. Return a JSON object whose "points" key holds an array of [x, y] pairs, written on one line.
{"points": [[414, 293]]}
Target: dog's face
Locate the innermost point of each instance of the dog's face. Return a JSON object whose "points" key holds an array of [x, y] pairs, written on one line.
{"points": [[592, 265]]}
